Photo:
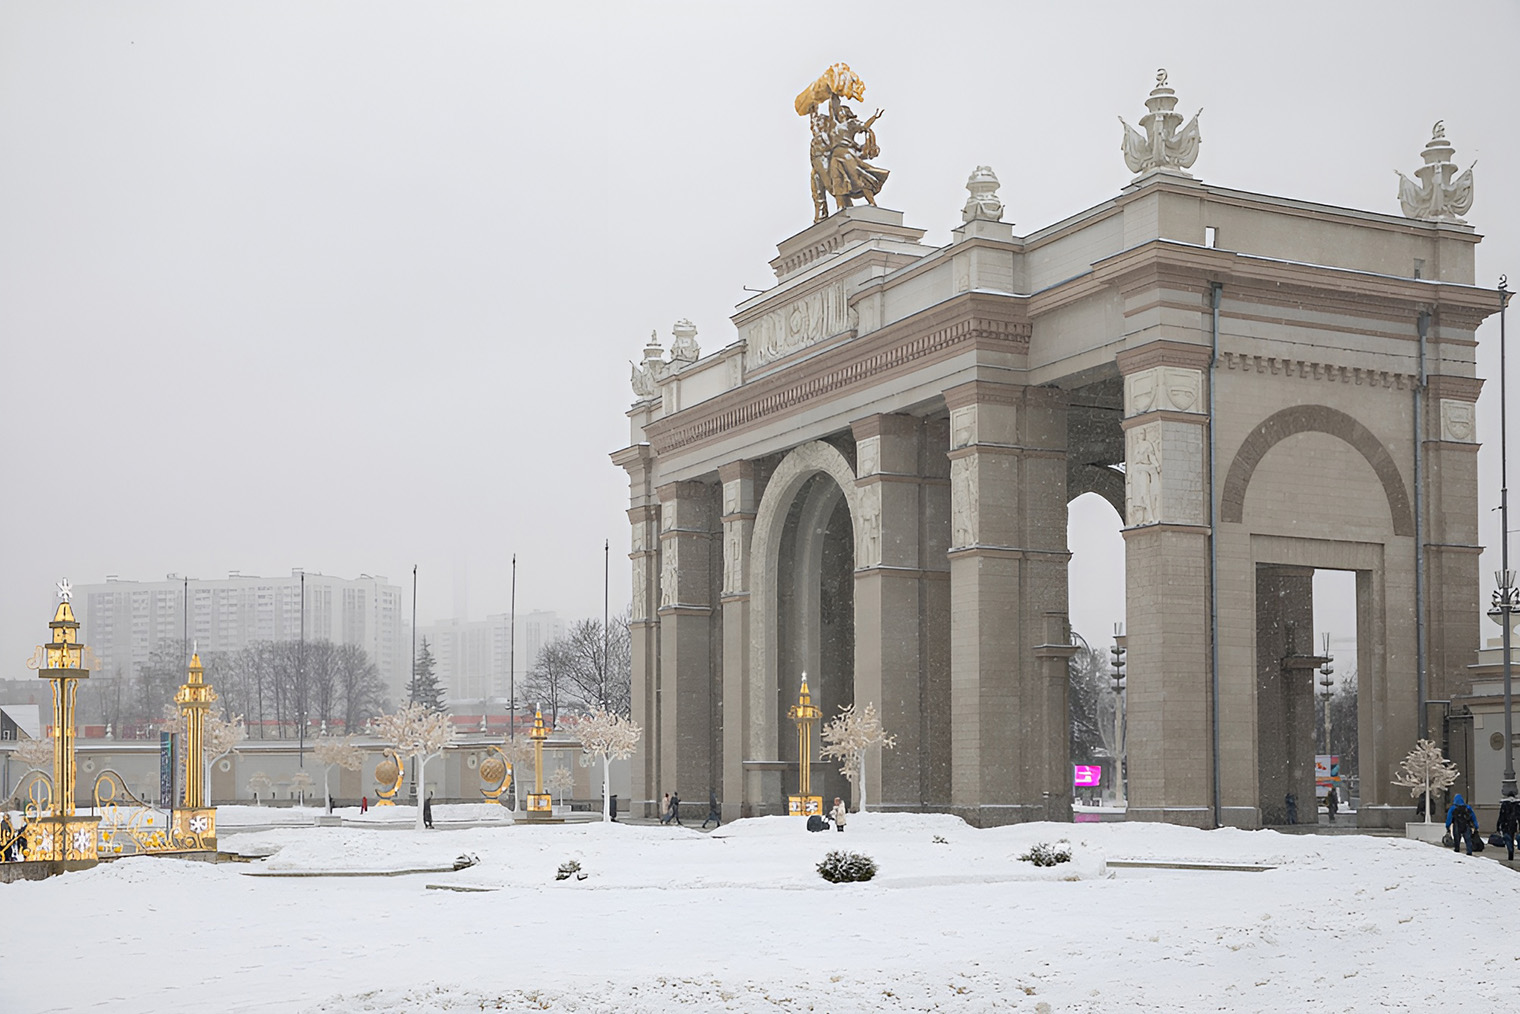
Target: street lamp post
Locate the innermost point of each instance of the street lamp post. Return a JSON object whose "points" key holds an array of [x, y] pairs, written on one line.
{"points": [[1117, 653], [1505, 607], [1325, 672]]}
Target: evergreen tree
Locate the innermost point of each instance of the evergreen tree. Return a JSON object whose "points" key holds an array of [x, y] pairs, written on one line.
{"points": [[424, 688]]}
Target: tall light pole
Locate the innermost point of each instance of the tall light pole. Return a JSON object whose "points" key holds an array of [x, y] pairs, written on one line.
{"points": [[512, 654], [606, 586], [301, 680], [1505, 606], [1117, 653], [1325, 672]]}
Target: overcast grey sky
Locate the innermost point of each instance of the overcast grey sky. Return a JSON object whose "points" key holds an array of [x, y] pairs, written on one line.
{"points": [[352, 286]]}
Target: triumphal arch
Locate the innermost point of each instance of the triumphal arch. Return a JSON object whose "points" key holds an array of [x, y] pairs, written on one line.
{"points": [[870, 485]]}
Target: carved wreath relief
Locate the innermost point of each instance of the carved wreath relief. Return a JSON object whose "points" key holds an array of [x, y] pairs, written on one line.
{"points": [[811, 319], [1164, 388]]}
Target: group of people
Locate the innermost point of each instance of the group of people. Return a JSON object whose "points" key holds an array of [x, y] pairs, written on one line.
{"points": [[12, 840], [1462, 826]]}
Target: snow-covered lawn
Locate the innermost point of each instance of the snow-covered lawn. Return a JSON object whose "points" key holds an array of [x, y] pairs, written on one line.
{"points": [[739, 921]]}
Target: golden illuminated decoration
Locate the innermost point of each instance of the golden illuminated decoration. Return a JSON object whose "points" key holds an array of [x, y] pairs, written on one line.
{"points": [[496, 772], [132, 826], [195, 698], [804, 713], [540, 803], [55, 834], [388, 775], [839, 155]]}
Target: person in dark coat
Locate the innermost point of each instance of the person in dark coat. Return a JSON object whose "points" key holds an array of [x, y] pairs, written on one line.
{"points": [[1290, 801], [1509, 823], [713, 813], [675, 807], [1462, 824], [1332, 803], [427, 811]]}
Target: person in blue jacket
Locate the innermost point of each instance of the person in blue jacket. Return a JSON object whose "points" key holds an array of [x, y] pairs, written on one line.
{"points": [[1462, 823]]}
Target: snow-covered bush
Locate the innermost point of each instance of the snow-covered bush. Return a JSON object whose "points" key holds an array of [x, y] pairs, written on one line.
{"points": [[940, 839], [845, 867], [1046, 854]]}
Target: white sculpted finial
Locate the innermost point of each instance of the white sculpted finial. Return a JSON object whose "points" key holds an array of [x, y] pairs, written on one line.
{"points": [[983, 204], [646, 379], [65, 590], [1437, 197], [685, 348], [1162, 146]]}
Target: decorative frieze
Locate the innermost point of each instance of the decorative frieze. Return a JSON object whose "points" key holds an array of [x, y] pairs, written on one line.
{"points": [[1163, 474], [1306, 370], [821, 314]]}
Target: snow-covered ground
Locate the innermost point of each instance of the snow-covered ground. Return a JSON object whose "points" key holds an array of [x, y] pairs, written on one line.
{"points": [[738, 920]]}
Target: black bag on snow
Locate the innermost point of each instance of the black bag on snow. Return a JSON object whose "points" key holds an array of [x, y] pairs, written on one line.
{"points": [[1496, 840], [817, 823]]}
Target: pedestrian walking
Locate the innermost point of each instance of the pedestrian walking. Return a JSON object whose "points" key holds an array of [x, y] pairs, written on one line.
{"points": [[838, 814], [363, 804], [427, 811], [1332, 803], [1509, 823], [665, 809], [712, 810], [675, 806], [1290, 801], [1462, 824]]}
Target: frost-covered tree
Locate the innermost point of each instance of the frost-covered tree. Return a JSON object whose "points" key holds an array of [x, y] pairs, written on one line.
{"points": [[36, 754], [301, 783], [260, 785], [848, 736], [519, 754], [332, 752], [610, 736], [424, 688], [219, 738], [421, 732], [560, 780], [1425, 770]]}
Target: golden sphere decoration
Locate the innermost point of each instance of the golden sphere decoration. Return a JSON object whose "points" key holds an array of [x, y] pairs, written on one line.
{"points": [[492, 770], [385, 772]]}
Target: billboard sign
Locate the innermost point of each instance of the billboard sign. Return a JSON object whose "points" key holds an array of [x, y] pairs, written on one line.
{"points": [[166, 770], [1327, 771]]}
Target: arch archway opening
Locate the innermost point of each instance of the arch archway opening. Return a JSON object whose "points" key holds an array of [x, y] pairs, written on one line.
{"points": [[1095, 579]]}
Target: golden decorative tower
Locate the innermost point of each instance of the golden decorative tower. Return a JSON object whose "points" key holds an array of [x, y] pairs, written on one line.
{"points": [[196, 820], [804, 713], [540, 803], [61, 836]]}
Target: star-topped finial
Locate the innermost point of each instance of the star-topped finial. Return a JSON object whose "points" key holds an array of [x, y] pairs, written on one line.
{"points": [[65, 590]]}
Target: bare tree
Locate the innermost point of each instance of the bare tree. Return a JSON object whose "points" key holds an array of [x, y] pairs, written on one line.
{"points": [[420, 732], [300, 784], [341, 753], [359, 688], [520, 754], [588, 667], [260, 785], [610, 736], [560, 780], [1425, 770], [847, 738]]}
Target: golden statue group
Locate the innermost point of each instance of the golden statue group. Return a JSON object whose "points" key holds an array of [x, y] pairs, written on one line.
{"points": [[840, 156]]}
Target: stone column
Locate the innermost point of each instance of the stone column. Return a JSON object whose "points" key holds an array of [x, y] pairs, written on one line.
{"points": [[888, 568], [741, 495], [688, 758], [644, 625], [1009, 640], [1450, 530], [1167, 583]]}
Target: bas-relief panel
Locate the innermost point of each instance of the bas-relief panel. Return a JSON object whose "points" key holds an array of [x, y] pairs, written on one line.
{"points": [[868, 543], [964, 503], [1457, 421], [1164, 388], [963, 427], [669, 571], [868, 456], [810, 319], [736, 536], [1142, 474], [640, 608]]}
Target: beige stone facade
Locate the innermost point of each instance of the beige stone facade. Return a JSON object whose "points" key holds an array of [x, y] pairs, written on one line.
{"points": [[871, 484]]}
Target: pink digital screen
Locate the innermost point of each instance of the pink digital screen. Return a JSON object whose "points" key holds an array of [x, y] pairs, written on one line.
{"points": [[1087, 774]]}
